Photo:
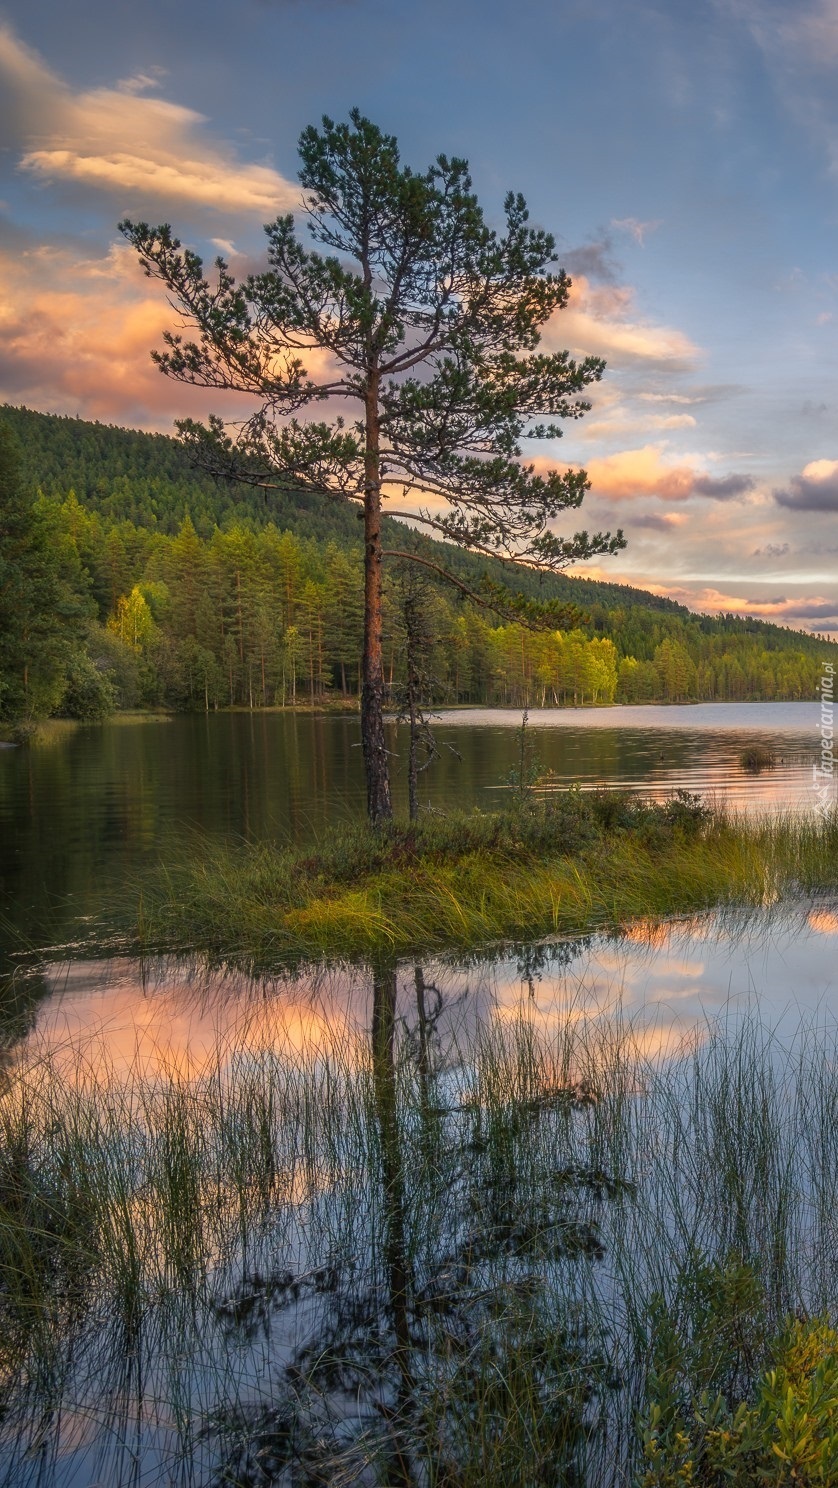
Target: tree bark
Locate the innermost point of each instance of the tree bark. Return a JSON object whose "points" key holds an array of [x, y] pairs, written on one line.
{"points": [[379, 805], [393, 1192], [413, 720]]}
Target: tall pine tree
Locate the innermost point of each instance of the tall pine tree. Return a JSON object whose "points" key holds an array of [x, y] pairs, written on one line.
{"points": [[427, 323]]}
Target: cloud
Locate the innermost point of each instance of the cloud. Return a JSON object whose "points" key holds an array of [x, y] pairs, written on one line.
{"points": [[645, 472], [592, 261], [620, 421], [815, 489], [601, 320], [680, 398], [655, 522], [799, 44], [124, 142], [725, 488], [76, 334], [772, 550], [779, 608], [636, 229]]}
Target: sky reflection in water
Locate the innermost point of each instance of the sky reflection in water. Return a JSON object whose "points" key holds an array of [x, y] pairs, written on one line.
{"points": [[663, 982]]}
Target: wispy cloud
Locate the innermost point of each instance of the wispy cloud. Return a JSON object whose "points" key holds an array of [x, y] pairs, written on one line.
{"points": [[772, 550], [601, 320], [799, 44], [636, 229], [658, 522], [123, 141]]}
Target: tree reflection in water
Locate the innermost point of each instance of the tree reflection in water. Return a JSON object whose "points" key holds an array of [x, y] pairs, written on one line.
{"points": [[456, 1351]]}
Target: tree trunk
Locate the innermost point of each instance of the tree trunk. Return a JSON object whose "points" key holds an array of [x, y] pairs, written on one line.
{"points": [[379, 806], [413, 763], [413, 717], [393, 1194]]}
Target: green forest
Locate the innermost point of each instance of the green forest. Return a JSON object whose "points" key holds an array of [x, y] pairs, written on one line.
{"points": [[128, 580]]}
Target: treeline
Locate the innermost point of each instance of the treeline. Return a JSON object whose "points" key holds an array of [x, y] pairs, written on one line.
{"points": [[103, 610], [259, 619]]}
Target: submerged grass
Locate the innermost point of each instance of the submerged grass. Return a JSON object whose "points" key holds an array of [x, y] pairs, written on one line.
{"points": [[456, 883]]}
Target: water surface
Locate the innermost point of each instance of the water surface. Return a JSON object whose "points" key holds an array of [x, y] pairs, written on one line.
{"points": [[79, 816]]}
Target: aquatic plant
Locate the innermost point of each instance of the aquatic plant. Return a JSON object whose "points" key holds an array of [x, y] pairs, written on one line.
{"points": [[757, 757], [416, 1259], [566, 864]]}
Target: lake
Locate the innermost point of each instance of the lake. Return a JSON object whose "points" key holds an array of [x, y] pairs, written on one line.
{"points": [[80, 814], [245, 1219], [269, 1159]]}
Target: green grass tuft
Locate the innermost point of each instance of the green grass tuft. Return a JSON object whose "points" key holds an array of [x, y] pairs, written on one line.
{"points": [[462, 882]]}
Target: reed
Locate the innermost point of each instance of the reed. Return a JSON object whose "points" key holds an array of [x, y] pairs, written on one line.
{"points": [[458, 883], [200, 1264]]}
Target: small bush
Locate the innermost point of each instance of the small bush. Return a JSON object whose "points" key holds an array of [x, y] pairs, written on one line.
{"points": [[756, 757], [90, 696], [729, 1407]]}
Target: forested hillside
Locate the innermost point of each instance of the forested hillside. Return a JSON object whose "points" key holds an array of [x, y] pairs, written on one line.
{"points": [[160, 587]]}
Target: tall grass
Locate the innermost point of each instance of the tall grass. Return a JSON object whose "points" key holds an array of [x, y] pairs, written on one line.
{"points": [[575, 863], [198, 1271]]}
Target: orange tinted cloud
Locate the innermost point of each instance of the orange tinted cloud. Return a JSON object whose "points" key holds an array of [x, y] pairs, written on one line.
{"points": [[600, 320], [646, 472], [121, 141], [76, 335], [785, 610], [85, 347]]}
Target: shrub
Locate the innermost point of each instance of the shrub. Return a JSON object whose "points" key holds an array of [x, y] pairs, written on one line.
{"points": [[90, 695], [729, 1407], [756, 757]]}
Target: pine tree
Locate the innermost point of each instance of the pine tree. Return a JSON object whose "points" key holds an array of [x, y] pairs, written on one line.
{"points": [[431, 323], [39, 615]]}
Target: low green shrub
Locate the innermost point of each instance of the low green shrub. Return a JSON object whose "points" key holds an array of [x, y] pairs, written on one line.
{"points": [[728, 1405]]}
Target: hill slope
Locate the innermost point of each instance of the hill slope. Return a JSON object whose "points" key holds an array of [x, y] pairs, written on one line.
{"points": [[180, 591], [146, 479]]}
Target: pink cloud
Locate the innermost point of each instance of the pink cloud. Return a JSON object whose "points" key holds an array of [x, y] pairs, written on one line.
{"points": [[816, 611], [600, 320], [86, 348], [77, 334]]}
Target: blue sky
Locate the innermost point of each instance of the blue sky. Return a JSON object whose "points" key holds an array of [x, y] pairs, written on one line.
{"points": [[684, 154]]}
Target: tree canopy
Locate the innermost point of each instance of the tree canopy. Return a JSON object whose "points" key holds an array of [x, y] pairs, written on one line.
{"points": [[421, 325]]}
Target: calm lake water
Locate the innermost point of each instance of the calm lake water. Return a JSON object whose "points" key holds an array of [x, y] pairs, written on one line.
{"points": [[665, 983], [202, 1394], [79, 815], [170, 1065]]}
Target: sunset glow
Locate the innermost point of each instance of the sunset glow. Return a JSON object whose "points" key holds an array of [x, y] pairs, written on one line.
{"points": [[690, 177]]}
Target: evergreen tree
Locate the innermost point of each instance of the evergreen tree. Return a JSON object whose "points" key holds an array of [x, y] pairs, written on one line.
{"points": [[431, 322], [37, 611]]}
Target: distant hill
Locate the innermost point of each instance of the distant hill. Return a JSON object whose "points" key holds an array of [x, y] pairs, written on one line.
{"points": [[146, 479], [219, 596]]}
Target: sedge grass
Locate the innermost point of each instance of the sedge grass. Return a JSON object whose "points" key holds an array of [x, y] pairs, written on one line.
{"points": [[464, 882], [159, 1229]]}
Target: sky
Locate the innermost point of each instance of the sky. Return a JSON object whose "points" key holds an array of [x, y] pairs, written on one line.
{"points": [[683, 152]]}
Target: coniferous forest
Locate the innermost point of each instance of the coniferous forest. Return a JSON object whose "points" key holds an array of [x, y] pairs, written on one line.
{"points": [[127, 580]]}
